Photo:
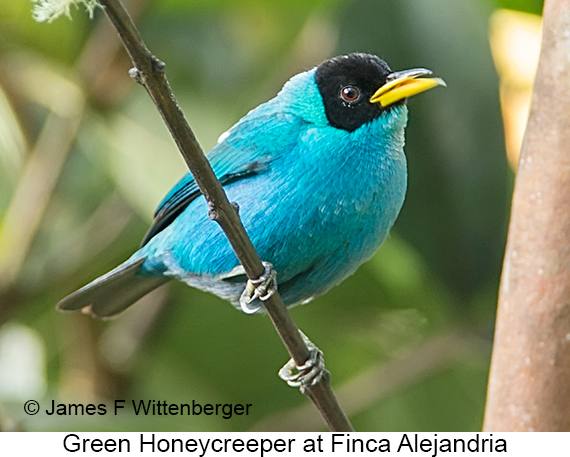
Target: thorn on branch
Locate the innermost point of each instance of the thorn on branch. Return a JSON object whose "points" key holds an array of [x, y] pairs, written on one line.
{"points": [[158, 65], [213, 212], [235, 206], [135, 74]]}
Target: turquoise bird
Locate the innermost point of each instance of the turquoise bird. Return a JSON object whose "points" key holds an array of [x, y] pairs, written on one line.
{"points": [[319, 174]]}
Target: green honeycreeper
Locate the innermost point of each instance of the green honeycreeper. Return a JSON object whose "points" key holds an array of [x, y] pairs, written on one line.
{"points": [[319, 174]]}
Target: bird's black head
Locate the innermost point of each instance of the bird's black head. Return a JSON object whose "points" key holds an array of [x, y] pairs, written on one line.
{"points": [[346, 84]]}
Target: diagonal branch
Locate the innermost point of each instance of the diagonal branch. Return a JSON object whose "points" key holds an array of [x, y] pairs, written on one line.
{"points": [[149, 71]]}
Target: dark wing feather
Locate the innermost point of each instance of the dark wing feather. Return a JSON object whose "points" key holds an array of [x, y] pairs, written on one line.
{"points": [[187, 190]]}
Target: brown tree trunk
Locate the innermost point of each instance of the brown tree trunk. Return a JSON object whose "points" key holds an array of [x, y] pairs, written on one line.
{"points": [[529, 385]]}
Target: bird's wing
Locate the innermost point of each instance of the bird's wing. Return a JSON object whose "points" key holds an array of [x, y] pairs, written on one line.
{"points": [[247, 150], [187, 190]]}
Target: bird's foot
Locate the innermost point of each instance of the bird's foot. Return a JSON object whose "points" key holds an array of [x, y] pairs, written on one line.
{"points": [[308, 374], [262, 288]]}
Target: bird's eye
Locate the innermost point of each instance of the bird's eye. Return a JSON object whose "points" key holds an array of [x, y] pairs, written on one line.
{"points": [[350, 93]]}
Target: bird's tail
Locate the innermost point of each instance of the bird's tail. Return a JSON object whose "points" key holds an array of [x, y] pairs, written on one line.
{"points": [[113, 292]]}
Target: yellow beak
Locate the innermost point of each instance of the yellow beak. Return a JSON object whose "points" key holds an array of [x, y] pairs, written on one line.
{"points": [[403, 84]]}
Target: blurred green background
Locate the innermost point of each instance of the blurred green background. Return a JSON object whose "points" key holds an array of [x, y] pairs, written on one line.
{"points": [[85, 158]]}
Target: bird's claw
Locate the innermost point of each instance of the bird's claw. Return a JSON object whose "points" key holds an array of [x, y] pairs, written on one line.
{"points": [[308, 374], [262, 288]]}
